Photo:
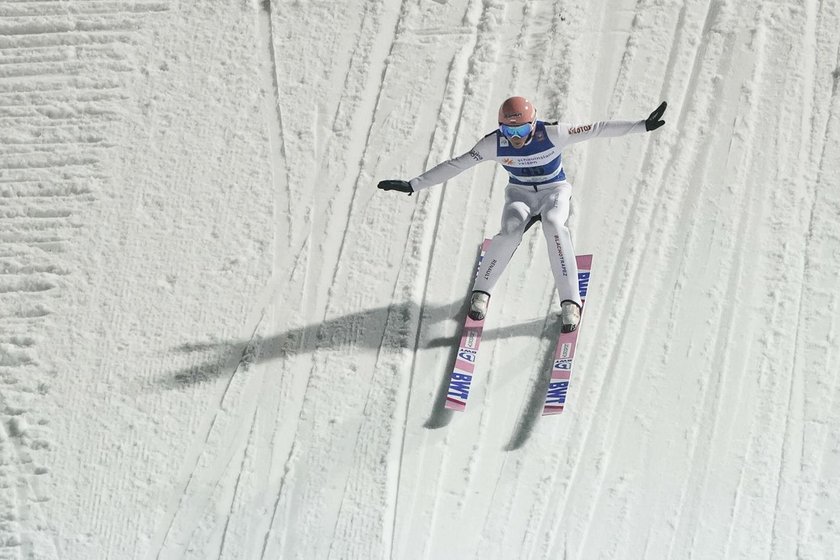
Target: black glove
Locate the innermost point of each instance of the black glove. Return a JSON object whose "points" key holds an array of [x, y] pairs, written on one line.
{"points": [[395, 185], [654, 121]]}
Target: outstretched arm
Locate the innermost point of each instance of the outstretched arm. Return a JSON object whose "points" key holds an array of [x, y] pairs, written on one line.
{"points": [[566, 134], [444, 171]]}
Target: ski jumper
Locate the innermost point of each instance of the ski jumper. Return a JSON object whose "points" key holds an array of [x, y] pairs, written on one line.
{"points": [[537, 188]]}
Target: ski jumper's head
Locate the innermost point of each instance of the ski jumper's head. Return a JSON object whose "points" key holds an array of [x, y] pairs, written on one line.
{"points": [[517, 120]]}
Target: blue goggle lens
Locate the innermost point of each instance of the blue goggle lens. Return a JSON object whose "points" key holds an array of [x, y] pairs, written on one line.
{"points": [[520, 131]]}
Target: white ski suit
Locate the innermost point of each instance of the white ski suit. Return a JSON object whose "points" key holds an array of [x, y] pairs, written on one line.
{"points": [[537, 188]]}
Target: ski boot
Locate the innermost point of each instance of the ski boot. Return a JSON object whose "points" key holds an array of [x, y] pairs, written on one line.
{"points": [[478, 305], [569, 316]]}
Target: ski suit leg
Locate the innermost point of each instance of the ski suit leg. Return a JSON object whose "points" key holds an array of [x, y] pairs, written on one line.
{"points": [[515, 217], [561, 253]]}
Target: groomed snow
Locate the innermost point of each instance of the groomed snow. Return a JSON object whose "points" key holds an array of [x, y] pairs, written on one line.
{"points": [[219, 340]]}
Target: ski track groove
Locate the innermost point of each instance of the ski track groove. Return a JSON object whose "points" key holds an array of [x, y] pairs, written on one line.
{"points": [[438, 211], [764, 384], [277, 135], [708, 390], [772, 534], [724, 339], [726, 331], [362, 153], [264, 32], [173, 511], [451, 79], [626, 57], [739, 489], [577, 465], [366, 414], [279, 493], [634, 284], [194, 533], [361, 53], [527, 34], [174, 515], [832, 118], [403, 427], [120, 9], [808, 38], [482, 36], [548, 69], [236, 486], [622, 79], [491, 501], [278, 498]]}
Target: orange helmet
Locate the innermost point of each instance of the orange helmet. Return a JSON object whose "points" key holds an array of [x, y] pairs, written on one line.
{"points": [[517, 111]]}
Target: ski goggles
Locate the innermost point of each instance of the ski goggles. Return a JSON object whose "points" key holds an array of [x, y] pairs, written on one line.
{"points": [[518, 131]]}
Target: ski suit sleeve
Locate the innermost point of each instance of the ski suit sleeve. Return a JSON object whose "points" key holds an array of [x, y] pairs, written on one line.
{"points": [[442, 172], [564, 134]]}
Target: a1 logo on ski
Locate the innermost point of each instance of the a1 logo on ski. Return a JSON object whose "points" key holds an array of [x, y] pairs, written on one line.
{"points": [[563, 364], [467, 355]]}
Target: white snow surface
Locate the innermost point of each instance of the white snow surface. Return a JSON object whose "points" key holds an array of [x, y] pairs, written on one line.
{"points": [[219, 340]]}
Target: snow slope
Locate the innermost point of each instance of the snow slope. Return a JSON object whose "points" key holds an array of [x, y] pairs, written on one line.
{"points": [[219, 340]]}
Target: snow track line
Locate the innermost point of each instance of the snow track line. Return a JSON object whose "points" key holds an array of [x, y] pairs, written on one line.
{"points": [[401, 425], [466, 64], [777, 378], [531, 29], [274, 510], [281, 177], [622, 79], [575, 467], [697, 190], [362, 54], [821, 145], [419, 210], [547, 87], [418, 215], [647, 163], [272, 116], [173, 511], [551, 66], [236, 486], [725, 338], [360, 176], [808, 38], [831, 130], [611, 283]]}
